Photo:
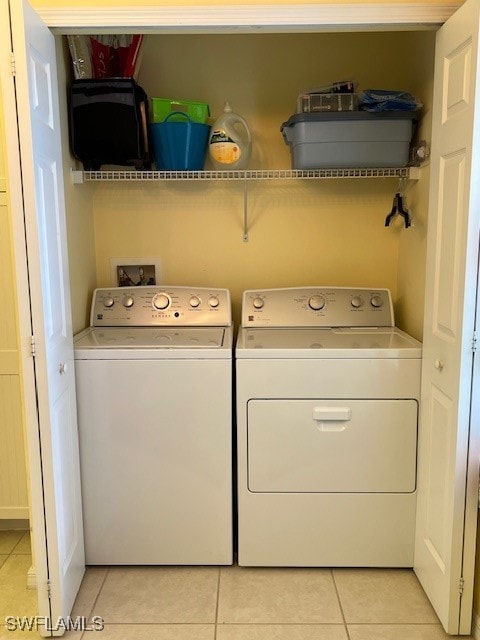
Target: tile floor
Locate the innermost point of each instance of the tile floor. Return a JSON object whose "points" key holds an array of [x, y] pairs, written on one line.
{"points": [[15, 561], [231, 603]]}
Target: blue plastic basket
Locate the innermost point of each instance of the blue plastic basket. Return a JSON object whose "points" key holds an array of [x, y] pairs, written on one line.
{"points": [[179, 146]]}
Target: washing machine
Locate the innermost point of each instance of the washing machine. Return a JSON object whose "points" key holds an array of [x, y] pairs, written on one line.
{"points": [[327, 419], [154, 388]]}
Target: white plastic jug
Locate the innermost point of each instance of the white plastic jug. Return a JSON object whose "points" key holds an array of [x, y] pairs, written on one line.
{"points": [[230, 142]]}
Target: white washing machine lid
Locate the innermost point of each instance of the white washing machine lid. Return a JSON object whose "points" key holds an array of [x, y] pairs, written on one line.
{"points": [[320, 343], [110, 343]]}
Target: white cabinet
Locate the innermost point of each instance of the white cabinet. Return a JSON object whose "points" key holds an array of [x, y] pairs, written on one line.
{"points": [[13, 477]]}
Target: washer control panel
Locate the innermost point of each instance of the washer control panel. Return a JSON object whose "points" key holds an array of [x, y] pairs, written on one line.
{"points": [[152, 306], [317, 307]]}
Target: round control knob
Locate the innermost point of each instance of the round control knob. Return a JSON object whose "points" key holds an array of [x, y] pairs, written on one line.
{"points": [[316, 303], [161, 301], [194, 302], [258, 303], [128, 302], [356, 302], [108, 302], [376, 301], [213, 301]]}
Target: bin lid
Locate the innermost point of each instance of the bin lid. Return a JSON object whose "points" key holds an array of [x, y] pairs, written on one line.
{"points": [[332, 116]]}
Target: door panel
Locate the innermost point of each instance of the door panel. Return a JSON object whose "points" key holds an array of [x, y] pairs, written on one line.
{"points": [[444, 549], [66, 489], [52, 258], [437, 487], [325, 446], [449, 244]]}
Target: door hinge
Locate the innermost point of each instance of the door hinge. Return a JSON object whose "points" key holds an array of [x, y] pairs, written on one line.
{"points": [[49, 589], [474, 342], [461, 586], [12, 64], [33, 352]]}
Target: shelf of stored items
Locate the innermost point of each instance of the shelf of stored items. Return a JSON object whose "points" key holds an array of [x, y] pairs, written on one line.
{"points": [[409, 173], [402, 173]]}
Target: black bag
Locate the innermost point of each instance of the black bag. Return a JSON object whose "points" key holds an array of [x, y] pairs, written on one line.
{"points": [[108, 123]]}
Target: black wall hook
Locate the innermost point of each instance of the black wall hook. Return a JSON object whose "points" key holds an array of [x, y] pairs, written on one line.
{"points": [[398, 209]]}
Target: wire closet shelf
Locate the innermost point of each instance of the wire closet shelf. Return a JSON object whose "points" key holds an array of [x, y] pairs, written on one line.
{"points": [[275, 174]]}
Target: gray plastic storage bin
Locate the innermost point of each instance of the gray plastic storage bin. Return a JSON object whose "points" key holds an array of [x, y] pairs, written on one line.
{"points": [[349, 139]]}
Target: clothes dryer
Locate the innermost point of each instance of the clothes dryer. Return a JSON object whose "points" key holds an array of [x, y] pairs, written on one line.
{"points": [[327, 418], [154, 387]]}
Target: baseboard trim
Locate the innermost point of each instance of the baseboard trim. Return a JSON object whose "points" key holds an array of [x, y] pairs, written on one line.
{"points": [[21, 524]]}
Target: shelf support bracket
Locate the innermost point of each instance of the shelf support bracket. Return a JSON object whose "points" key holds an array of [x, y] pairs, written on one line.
{"points": [[414, 173], [245, 209], [77, 176]]}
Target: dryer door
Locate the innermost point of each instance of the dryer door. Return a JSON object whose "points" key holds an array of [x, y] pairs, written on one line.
{"points": [[332, 446]]}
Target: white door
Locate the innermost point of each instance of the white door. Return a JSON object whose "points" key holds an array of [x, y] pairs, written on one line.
{"points": [[43, 198], [448, 448]]}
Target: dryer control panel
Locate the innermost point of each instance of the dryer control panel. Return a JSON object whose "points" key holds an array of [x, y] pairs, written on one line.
{"points": [[152, 306], [317, 307]]}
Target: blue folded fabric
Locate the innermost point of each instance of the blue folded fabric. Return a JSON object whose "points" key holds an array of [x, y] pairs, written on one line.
{"points": [[381, 100]]}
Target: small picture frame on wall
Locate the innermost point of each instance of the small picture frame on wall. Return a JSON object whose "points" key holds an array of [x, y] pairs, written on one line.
{"points": [[135, 272]]}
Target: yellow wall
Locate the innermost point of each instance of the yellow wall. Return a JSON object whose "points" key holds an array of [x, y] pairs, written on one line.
{"points": [[301, 232], [412, 244], [79, 212]]}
